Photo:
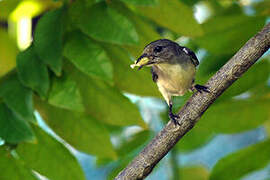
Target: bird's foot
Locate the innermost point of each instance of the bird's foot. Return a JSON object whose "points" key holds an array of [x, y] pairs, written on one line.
{"points": [[201, 88], [174, 118]]}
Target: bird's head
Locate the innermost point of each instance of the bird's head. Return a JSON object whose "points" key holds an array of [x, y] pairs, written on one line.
{"points": [[157, 52]]}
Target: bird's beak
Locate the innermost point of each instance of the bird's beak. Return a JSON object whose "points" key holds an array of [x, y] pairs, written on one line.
{"points": [[143, 60]]}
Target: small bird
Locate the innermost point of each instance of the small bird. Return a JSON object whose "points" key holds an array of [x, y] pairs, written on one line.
{"points": [[173, 68]]}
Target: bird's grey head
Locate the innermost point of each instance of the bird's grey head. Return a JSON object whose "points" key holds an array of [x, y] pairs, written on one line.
{"points": [[160, 51]]}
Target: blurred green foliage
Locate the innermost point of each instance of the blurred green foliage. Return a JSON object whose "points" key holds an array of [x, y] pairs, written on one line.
{"points": [[76, 71]]}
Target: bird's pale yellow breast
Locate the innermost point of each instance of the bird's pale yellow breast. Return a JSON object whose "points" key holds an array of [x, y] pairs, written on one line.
{"points": [[176, 79]]}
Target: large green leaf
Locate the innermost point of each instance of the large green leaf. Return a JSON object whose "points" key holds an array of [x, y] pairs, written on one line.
{"points": [[13, 128], [134, 143], [173, 15], [146, 32], [105, 24], [106, 103], [48, 38], [80, 130], [32, 72], [225, 35], [237, 115], [211, 63], [50, 158], [12, 168], [65, 94], [8, 51], [127, 79], [242, 162], [18, 98], [197, 137], [88, 56]]}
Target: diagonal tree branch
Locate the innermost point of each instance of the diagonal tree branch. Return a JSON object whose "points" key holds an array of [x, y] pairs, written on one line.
{"points": [[143, 164]]}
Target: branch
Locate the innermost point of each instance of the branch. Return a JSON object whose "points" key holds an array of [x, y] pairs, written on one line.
{"points": [[143, 164]]}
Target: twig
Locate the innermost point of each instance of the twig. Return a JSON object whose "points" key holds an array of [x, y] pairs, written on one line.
{"points": [[144, 163]]}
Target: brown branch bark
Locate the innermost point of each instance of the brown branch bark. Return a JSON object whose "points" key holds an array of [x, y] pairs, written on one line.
{"points": [[144, 163]]}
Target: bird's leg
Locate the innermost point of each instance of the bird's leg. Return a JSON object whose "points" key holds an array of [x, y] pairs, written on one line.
{"points": [[172, 116], [199, 88]]}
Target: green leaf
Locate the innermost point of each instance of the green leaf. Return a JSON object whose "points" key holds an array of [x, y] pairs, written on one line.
{"points": [[65, 94], [12, 168], [225, 35], [105, 24], [140, 2], [32, 72], [237, 115], [193, 173], [175, 16], [211, 63], [127, 79], [78, 129], [258, 74], [6, 7], [242, 162], [197, 137], [87, 56], [134, 143], [146, 32], [262, 7], [48, 39], [8, 51], [107, 103], [13, 128], [18, 98], [50, 158]]}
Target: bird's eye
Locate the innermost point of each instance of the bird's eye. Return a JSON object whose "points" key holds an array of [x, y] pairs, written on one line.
{"points": [[158, 49]]}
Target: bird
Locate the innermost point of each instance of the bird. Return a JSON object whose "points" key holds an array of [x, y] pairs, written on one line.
{"points": [[173, 69]]}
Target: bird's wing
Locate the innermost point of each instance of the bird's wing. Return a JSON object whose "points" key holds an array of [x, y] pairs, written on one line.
{"points": [[192, 55], [154, 74]]}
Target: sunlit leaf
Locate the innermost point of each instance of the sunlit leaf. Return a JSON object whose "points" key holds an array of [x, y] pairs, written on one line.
{"points": [[242, 162], [88, 56], [32, 72], [225, 35], [193, 173], [18, 98], [80, 130], [107, 103], [50, 158], [13, 128], [65, 94], [112, 26], [8, 51], [175, 16], [12, 168], [48, 39]]}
